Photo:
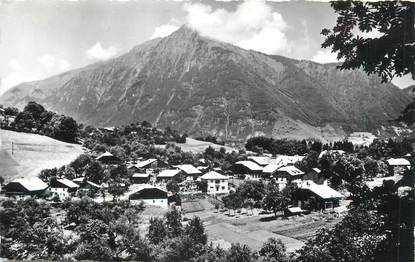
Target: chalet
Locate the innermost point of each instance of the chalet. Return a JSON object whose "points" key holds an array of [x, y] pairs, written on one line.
{"points": [[216, 183], [169, 174], [150, 195], [25, 187], [286, 175], [63, 188], [108, 158], [325, 196], [140, 178], [247, 169], [397, 165], [191, 172]]}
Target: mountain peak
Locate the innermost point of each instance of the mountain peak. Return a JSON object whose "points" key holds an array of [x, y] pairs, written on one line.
{"points": [[185, 32]]}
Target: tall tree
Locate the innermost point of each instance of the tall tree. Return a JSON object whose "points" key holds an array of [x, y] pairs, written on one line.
{"points": [[389, 52]]}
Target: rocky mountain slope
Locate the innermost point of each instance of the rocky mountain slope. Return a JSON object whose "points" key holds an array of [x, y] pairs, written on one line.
{"points": [[201, 86]]}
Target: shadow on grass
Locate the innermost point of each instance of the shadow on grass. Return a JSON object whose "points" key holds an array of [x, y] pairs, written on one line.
{"points": [[270, 218]]}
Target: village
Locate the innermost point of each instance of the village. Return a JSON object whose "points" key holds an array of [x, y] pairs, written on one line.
{"points": [[212, 193]]}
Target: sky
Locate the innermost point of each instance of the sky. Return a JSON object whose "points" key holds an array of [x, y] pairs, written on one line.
{"points": [[41, 38]]}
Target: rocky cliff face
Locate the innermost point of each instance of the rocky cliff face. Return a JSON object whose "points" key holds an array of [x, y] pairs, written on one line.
{"points": [[201, 86]]}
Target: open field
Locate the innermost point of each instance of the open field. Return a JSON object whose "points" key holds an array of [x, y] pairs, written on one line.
{"points": [[196, 146], [252, 228], [32, 153]]}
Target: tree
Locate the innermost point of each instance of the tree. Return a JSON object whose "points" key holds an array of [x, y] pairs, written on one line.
{"points": [[94, 172], [64, 128], [202, 185], [252, 189], [157, 230], [238, 253], [275, 200], [232, 201], [34, 109], [174, 222], [11, 111], [356, 238], [273, 250], [196, 231], [172, 186], [390, 54]]}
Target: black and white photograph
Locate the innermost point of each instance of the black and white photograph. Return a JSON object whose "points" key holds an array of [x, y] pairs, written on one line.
{"points": [[207, 130]]}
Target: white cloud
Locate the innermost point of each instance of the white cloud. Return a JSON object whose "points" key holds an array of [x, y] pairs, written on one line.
{"points": [[44, 66], [164, 30], [325, 56], [47, 60], [97, 51], [15, 77], [253, 25]]}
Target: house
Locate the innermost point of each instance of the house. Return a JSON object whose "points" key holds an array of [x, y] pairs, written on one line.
{"points": [[63, 188], [397, 165], [216, 183], [325, 196], [140, 178], [25, 187], [169, 174], [191, 172], [108, 158], [150, 195], [247, 169], [286, 175]]}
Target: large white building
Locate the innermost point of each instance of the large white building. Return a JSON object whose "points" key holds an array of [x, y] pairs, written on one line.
{"points": [[216, 183]]}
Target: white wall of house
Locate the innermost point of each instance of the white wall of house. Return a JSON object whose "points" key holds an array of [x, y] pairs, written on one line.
{"points": [[161, 202], [217, 186], [61, 192]]}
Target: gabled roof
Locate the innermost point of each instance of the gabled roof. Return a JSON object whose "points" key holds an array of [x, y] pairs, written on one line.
{"points": [[292, 170], [271, 168], [31, 184], [398, 162], [250, 165], [68, 183], [93, 184], [79, 179], [169, 173], [317, 170], [323, 191], [260, 160], [135, 188], [189, 169], [144, 163], [213, 175], [141, 175], [106, 154]]}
